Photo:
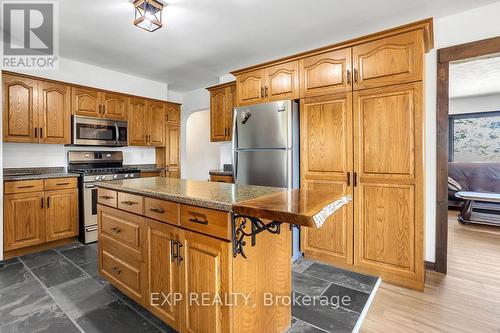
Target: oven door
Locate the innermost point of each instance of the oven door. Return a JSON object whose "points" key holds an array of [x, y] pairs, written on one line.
{"points": [[89, 131]]}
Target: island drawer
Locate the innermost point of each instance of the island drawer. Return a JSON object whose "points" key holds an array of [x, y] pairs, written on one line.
{"points": [[59, 183], [131, 203], [23, 186], [107, 197], [208, 221], [161, 210], [126, 273], [123, 230]]}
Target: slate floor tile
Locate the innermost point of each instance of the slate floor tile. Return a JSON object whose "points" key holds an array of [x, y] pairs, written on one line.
{"points": [[115, 317], [40, 258], [303, 327], [57, 272], [48, 319], [69, 246], [14, 273], [324, 316], [80, 296], [357, 298], [308, 285], [300, 265], [364, 283], [81, 255], [22, 299], [9, 261], [92, 269]]}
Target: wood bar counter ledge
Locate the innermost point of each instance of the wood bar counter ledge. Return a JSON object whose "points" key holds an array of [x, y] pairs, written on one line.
{"points": [[206, 256]]}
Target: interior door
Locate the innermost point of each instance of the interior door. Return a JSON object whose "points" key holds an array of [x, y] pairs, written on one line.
{"points": [[155, 118], [136, 122], [61, 214], [265, 167], [327, 164], [389, 195], [20, 105], [54, 113]]}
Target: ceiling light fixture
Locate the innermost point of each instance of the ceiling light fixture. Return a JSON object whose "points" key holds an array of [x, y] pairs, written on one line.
{"points": [[148, 14]]}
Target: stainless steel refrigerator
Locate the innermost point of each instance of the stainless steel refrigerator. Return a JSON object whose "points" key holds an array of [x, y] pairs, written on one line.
{"points": [[266, 148]]}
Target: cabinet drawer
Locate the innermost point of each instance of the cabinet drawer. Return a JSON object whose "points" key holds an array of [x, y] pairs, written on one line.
{"points": [[221, 179], [123, 230], [165, 211], [131, 203], [60, 183], [23, 186], [208, 221], [125, 273], [107, 197]]}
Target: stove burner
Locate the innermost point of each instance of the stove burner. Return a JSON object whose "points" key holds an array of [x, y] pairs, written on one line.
{"points": [[107, 170]]}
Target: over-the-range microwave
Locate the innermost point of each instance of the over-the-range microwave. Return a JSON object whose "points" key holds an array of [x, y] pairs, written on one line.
{"points": [[88, 131]]}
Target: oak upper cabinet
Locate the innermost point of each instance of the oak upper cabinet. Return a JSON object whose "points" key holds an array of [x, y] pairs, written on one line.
{"points": [[54, 113], [388, 154], [204, 269], [61, 214], [24, 220], [391, 60], [114, 106], [86, 102], [327, 164], [155, 123], [250, 87], [20, 109], [173, 114], [282, 82], [163, 270], [326, 73], [222, 103], [136, 121], [173, 151]]}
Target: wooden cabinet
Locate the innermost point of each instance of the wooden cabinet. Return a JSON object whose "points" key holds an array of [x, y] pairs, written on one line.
{"points": [[136, 122], [38, 212], [155, 123], [389, 161], [61, 214], [54, 113], [222, 103], [387, 61], [221, 178], [327, 162], [114, 105], [173, 151], [91, 102], [268, 84], [326, 73], [173, 114]]}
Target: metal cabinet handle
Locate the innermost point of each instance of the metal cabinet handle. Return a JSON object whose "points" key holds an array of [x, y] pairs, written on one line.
{"points": [[42, 204], [105, 197], [348, 76], [173, 254], [355, 75], [266, 91], [61, 184], [261, 91], [116, 230], [348, 179], [195, 219], [41, 132], [130, 203], [48, 202], [157, 210], [116, 270], [26, 186], [179, 257], [355, 179], [36, 132]]}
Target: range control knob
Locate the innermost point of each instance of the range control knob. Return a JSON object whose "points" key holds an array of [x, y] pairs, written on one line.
{"points": [[115, 176], [97, 178], [131, 175], [103, 177], [126, 175]]}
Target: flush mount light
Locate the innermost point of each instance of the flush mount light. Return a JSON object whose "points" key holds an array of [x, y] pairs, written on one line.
{"points": [[148, 14]]}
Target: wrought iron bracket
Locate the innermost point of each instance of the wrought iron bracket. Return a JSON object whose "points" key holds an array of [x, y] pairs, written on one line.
{"points": [[240, 232]]}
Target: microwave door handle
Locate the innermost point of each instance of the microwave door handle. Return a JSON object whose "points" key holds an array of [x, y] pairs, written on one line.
{"points": [[117, 134]]}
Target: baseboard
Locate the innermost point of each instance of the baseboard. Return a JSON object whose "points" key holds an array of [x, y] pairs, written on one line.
{"points": [[38, 248], [430, 266]]}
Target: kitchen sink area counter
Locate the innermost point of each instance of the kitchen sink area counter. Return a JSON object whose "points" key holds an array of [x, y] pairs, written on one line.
{"points": [[17, 174]]}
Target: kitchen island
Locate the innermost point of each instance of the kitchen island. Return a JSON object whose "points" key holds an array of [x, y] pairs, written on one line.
{"points": [[205, 256]]}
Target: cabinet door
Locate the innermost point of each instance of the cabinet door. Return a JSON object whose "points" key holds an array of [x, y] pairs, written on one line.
{"points": [[326, 73], [389, 196], [282, 82], [114, 106], [20, 103], [86, 102], [229, 111], [163, 272], [218, 109], [212, 257], [387, 61], [173, 137], [155, 120], [61, 214], [136, 122], [250, 87], [327, 163], [24, 223], [54, 113], [173, 114]]}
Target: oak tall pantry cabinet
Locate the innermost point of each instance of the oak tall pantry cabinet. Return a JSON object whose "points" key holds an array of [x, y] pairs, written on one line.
{"points": [[361, 133]]}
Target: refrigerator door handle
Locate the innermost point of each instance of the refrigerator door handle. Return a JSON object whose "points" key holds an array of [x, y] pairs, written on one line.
{"points": [[235, 165]]}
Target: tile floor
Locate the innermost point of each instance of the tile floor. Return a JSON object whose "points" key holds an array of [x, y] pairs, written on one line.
{"points": [[61, 291]]}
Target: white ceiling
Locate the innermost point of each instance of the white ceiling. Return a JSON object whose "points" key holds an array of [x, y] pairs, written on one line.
{"points": [[475, 77], [203, 39]]}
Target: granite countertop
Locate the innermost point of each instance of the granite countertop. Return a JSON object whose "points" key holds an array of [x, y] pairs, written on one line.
{"points": [[13, 174], [219, 196], [146, 167], [220, 173]]}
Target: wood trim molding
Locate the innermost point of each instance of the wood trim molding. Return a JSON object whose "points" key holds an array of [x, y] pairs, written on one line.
{"points": [[426, 25], [445, 55], [221, 85]]}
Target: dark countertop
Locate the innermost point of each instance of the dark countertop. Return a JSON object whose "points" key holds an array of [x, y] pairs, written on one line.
{"points": [[146, 167], [220, 173], [219, 196], [15, 174]]}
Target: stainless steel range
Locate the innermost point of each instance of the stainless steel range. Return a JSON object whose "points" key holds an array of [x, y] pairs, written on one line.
{"points": [[95, 166]]}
